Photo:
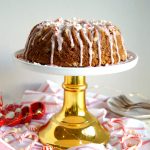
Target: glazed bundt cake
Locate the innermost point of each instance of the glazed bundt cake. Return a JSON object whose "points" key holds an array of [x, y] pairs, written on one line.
{"points": [[75, 43]]}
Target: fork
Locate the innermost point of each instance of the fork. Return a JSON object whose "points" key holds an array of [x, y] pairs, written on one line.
{"points": [[126, 108], [124, 102], [117, 106]]}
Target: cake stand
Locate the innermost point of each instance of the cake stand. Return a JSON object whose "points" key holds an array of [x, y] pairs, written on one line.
{"points": [[74, 125]]}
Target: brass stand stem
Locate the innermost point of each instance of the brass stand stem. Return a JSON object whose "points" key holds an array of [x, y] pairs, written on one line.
{"points": [[73, 125], [74, 96]]}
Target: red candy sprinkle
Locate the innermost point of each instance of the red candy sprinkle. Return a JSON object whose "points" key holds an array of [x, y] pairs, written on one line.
{"points": [[38, 110], [2, 120], [26, 114], [14, 114], [10, 107], [13, 120]]}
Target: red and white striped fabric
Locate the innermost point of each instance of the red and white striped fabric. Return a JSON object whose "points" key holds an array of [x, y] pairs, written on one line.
{"points": [[126, 133]]}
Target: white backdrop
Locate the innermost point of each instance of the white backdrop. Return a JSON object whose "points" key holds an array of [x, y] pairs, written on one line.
{"points": [[18, 17]]}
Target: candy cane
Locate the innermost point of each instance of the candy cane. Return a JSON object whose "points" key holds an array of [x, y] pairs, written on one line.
{"points": [[119, 122], [3, 134], [109, 124], [135, 142], [47, 147], [33, 128], [27, 134]]}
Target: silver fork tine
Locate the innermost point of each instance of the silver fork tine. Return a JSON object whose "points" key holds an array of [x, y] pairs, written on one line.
{"points": [[120, 101], [125, 99], [129, 107], [118, 107], [124, 102]]}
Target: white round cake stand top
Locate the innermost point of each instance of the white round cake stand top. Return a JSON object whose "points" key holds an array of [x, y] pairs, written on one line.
{"points": [[78, 71]]}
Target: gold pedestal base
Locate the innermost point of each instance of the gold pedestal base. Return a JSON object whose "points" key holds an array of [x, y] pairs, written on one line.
{"points": [[73, 125]]}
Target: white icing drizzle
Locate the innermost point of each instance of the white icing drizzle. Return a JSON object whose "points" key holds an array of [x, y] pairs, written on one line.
{"points": [[90, 46], [70, 37], [111, 48], [32, 38], [81, 47], [79, 24], [52, 48], [59, 40], [123, 45], [29, 40], [110, 42], [99, 47], [37, 34], [44, 37], [115, 38]]}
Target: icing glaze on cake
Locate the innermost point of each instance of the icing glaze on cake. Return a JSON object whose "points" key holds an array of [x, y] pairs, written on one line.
{"points": [[75, 43]]}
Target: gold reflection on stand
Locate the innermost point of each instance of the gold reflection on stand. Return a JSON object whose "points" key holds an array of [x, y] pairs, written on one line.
{"points": [[73, 125]]}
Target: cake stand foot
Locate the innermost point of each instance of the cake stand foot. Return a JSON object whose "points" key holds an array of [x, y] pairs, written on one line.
{"points": [[73, 125]]}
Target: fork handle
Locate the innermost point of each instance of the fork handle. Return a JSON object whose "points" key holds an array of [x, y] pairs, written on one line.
{"points": [[142, 104], [139, 105]]}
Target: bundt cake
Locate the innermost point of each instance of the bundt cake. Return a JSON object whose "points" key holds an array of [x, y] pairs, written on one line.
{"points": [[75, 43]]}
